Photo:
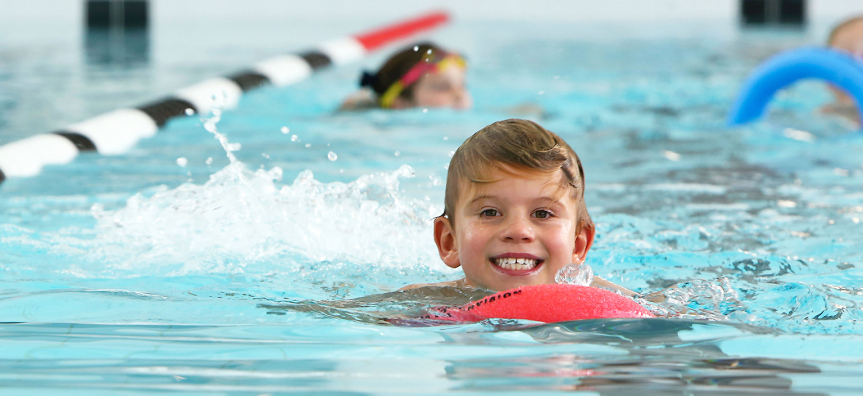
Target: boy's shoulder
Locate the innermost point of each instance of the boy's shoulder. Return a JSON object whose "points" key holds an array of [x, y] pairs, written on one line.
{"points": [[459, 283]]}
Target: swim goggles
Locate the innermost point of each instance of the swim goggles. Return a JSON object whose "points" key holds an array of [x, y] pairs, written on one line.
{"points": [[417, 71]]}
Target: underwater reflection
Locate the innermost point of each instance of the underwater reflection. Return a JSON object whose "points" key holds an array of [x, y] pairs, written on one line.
{"points": [[657, 357]]}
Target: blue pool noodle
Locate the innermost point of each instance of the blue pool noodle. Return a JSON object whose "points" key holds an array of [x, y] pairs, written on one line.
{"points": [[787, 68]]}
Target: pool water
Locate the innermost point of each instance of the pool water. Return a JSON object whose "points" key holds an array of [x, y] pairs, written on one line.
{"points": [[266, 262]]}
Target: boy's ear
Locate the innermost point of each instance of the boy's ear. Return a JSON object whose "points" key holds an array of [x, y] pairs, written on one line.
{"points": [[444, 238], [583, 242]]}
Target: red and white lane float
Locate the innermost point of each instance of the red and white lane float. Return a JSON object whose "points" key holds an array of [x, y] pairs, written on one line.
{"points": [[544, 303], [118, 131]]}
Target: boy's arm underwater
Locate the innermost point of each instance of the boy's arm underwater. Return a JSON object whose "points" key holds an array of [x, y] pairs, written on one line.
{"points": [[462, 283], [459, 283]]}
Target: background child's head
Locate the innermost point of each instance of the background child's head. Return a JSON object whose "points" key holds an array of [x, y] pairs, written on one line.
{"points": [[514, 208], [421, 75], [847, 36]]}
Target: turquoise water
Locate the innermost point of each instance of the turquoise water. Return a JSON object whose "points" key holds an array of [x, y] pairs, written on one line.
{"points": [[172, 268]]}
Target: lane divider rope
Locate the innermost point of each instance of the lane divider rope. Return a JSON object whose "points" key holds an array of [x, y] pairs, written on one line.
{"points": [[118, 131]]}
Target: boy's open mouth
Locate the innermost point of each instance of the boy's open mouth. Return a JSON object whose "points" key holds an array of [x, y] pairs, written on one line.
{"points": [[516, 265]]}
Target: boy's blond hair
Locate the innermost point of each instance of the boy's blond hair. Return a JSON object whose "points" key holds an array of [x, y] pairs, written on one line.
{"points": [[521, 145]]}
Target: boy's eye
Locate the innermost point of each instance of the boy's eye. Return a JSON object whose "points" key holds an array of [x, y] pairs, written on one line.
{"points": [[489, 213], [542, 214]]}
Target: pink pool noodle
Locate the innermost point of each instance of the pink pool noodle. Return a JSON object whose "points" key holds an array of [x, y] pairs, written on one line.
{"points": [[547, 303]]}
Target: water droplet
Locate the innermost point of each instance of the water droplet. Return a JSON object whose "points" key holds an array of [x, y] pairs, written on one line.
{"points": [[405, 171], [572, 274], [540, 92], [446, 138], [265, 155], [332, 156], [190, 112], [285, 130], [451, 153], [233, 146], [786, 204], [209, 160], [210, 126], [308, 145], [182, 161], [341, 171], [797, 134], [425, 110], [671, 155], [276, 173], [295, 138], [397, 153]]}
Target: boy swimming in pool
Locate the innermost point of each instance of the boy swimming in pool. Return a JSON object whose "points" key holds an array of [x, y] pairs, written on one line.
{"points": [[514, 211]]}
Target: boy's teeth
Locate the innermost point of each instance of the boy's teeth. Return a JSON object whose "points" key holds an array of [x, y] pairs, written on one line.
{"points": [[515, 263]]}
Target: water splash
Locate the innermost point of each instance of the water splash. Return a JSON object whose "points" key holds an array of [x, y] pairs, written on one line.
{"points": [[337, 238], [240, 217], [572, 274], [210, 126], [694, 299]]}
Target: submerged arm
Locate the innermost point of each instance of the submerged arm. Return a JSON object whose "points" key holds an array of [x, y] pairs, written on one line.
{"points": [[599, 282]]}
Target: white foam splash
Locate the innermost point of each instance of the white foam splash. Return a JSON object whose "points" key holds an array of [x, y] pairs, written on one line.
{"points": [[240, 217], [572, 274], [695, 299]]}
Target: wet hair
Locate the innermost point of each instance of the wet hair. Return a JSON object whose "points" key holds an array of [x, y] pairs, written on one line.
{"points": [[397, 66], [846, 23], [520, 145]]}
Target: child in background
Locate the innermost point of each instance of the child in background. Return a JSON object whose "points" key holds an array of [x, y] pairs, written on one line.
{"points": [[848, 37], [514, 211], [422, 75]]}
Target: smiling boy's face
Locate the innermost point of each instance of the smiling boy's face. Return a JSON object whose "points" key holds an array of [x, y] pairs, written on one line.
{"points": [[518, 229]]}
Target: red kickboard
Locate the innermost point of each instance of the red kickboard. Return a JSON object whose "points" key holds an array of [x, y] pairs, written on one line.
{"points": [[546, 303]]}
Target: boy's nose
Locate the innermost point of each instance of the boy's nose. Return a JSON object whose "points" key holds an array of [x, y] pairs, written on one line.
{"points": [[518, 229]]}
